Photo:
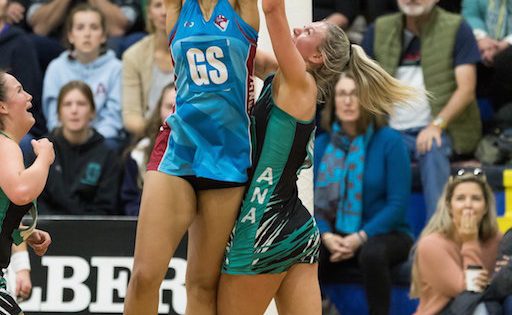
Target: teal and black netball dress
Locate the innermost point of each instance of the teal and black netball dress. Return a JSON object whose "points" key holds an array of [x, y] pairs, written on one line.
{"points": [[10, 219], [274, 229], [209, 132]]}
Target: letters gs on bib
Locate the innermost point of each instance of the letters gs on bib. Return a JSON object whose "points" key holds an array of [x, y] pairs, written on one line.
{"points": [[209, 65]]}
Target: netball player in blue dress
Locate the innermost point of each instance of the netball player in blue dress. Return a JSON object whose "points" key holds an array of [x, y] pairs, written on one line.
{"points": [[273, 250], [198, 168]]}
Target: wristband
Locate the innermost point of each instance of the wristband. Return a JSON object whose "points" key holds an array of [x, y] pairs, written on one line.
{"points": [[20, 261]]}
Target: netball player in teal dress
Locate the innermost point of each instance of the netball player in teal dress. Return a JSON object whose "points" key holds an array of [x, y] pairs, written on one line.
{"points": [[273, 250], [198, 168], [19, 187]]}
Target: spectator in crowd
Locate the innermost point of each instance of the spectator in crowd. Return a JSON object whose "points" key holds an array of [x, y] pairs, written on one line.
{"points": [[361, 196], [85, 177], [147, 68], [89, 61], [434, 51], [138, 155], [18, 55], [462, 232], [47, 19], [491, 21]]}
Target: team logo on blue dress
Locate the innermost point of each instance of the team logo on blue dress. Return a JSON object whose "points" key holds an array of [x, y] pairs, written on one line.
{"points": [[221, 22]]}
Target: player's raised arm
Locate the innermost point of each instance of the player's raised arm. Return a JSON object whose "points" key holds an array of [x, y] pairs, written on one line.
{"points": [[291, 63], [248, 10]]}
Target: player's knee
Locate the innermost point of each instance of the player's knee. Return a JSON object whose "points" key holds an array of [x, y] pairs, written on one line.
{"points": [[144, 281], [202, 289]]}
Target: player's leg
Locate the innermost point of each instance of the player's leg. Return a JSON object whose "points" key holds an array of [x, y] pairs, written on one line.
{"points": [[299, 292], [168, 207], [247, 294], [208, 236]]}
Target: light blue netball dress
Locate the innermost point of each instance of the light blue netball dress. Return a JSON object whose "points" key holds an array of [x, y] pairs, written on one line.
{"points": [[209, 134]]}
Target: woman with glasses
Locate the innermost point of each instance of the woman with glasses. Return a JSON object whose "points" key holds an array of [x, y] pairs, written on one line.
{"points": [[361, 196], [462, 232]]}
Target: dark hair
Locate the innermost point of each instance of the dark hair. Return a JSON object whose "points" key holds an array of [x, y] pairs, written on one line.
{"points": [[3, 94], [76, 85], [3, 88], [84, 7]]}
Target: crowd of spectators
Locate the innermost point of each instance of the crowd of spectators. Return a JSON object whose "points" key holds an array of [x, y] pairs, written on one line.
{"points": [[457, 55], [102, 85]]}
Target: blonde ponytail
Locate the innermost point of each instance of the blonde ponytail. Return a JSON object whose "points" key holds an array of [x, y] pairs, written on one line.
{"points": [[378, 90]]}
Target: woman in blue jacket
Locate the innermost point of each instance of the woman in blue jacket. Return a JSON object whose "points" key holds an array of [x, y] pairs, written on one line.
{"points": [[361, 195]]}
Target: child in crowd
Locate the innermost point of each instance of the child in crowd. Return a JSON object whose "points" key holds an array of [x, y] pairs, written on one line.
{"points": [[85, 177], [88, 60]]}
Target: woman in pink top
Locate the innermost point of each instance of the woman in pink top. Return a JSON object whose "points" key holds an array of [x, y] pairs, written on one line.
{"points": [[462, 232]]}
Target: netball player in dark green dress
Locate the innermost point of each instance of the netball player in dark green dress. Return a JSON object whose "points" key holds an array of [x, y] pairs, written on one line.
{"points": [[19, 187]]}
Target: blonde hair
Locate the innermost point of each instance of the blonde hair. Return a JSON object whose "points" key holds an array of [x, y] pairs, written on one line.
{"points": [[335, 52], [378, 91], [441, 222]]}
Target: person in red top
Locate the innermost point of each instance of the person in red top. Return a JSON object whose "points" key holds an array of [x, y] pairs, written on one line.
{"points": [[462, 232]]}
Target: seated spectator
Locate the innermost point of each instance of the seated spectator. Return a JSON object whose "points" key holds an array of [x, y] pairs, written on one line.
{"points": [[84, 178], [18, 56], [89, 61], [147, 68], [432, 50], [138, 155], [47, 19], [361, 196], [462, 232], [492, 25]]}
